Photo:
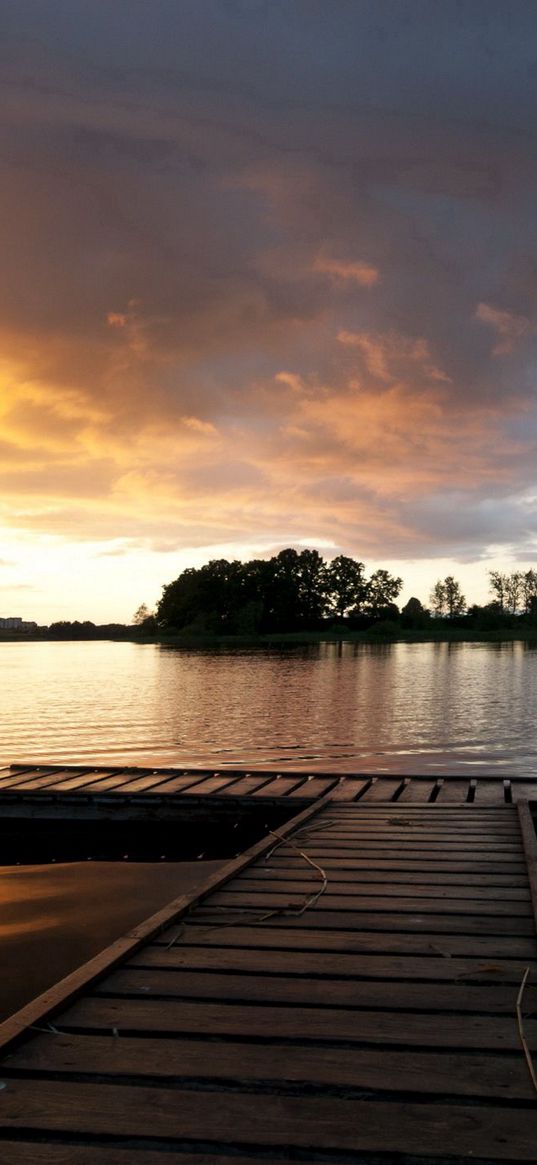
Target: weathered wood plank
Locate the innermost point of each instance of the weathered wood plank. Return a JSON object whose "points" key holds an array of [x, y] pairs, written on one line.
{"points": [[376, 886], [386, 1070], [20, 779], [326, 1123], [325, 918], [67, 784], [313, 787], [382, 789], [417, 791], [438, 822], [219, 783], [329, 862], [279, 787], [490, 792], [245, 786], [394, 943], [177, 784], [429, 847], [435, 818], [490, 1033], [346, 883], [524, 790], [380, 883], [453, 791], [142, 783], [388, 994], [26, 1152], [400, 823], [529, 841], [398, 827], [508, 856], [349, 789], [448, 808], [342, 965], [418, 898], [107, 785]]}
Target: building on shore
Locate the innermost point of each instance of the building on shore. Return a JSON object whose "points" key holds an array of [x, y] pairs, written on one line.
{"points": [[14, 623]]}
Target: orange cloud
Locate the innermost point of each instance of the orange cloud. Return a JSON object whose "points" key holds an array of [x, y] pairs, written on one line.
{"points": [[390, 355]]}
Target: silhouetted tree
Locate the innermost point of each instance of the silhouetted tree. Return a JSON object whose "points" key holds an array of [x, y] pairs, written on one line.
{"points": [[513, 591], [141, 614], [529, 592], [313, 586], [181, 601], [438, 599], [294, 590], [447, 598], [220, 593], [382, 590], [455, 600], [414, 614], [347, 585], [498, 586]]}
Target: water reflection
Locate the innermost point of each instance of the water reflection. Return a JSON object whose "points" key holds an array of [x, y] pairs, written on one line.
{"points": [[427, 708], [55, 917]]}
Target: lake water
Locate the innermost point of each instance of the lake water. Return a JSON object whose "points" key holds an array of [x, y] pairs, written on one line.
{"points": [[55, 917], [405, 708]]}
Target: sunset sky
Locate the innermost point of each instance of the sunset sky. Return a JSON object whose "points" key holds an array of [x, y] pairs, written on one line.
{"points": [[269, 278]]}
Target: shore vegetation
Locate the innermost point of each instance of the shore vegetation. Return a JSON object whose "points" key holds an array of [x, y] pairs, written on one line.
{"points": [[298, 596]]}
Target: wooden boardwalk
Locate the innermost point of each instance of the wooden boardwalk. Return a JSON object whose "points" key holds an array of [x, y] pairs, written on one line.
{"points": [[344, 993], [26, 781]]}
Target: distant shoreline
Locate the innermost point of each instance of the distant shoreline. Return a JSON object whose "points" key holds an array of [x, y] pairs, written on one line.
{"points": [[444, 635]]}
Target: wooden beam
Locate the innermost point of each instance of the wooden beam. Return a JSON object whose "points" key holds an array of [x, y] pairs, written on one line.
{"points": [[529, 842]]}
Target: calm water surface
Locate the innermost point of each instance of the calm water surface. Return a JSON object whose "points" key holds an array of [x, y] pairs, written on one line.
{"points": [[405, 708], [55, 917]]}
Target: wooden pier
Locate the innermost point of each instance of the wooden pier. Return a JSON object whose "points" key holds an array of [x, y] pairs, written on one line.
{"points": [[22, 782], [346, 991]]}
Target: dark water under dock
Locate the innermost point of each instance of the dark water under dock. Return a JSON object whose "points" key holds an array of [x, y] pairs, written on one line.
{"points": [[55, 917]]}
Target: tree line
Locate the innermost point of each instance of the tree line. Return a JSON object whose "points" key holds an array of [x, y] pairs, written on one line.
{"points": [[294, 590], [514, 597], [299, 590]]}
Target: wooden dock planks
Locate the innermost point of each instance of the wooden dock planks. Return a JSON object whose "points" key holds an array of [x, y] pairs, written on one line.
{"points": [[377, 1023], [26, 779]]}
